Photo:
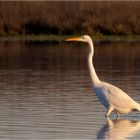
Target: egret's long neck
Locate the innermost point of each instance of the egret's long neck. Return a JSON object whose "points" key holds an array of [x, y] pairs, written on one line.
{"points": [[93, 74]]}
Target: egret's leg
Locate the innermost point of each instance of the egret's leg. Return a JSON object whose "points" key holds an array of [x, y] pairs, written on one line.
{"points": [[118, 115], [110, 109]]}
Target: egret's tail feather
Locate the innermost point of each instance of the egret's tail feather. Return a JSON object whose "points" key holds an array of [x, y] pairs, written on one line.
{"points": [[138, 106]]}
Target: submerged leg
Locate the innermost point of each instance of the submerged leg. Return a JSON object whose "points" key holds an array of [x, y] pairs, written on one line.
{"points": [[118, 115], [110, 109]]}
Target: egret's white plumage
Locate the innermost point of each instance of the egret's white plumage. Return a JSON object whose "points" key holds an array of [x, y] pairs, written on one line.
{"points": [[112, 97]]}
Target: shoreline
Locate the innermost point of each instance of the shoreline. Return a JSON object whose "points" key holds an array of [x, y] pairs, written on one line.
{"points": [[61, 38]]}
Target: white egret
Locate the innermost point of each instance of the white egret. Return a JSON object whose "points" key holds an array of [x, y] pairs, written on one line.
{"points": [[112, 97]]}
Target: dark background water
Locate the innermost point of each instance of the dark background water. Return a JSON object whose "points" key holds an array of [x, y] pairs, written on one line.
{"points": [[46, 93]]}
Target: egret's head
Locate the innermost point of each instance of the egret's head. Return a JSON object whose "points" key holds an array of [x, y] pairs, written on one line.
{"points": [[84, 38]]}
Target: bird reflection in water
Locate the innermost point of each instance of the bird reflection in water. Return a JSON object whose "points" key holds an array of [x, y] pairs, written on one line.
{"points": [[119, 129]]}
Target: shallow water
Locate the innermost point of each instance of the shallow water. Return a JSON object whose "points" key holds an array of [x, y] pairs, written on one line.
{"points": [[46, 93]]}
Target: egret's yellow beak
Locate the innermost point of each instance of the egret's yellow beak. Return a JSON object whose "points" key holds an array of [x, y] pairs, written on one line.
{"points": [[73, 39]]}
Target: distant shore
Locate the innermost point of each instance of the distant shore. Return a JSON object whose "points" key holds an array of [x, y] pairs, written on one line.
{"points": [[51, 20], [61, 38]]}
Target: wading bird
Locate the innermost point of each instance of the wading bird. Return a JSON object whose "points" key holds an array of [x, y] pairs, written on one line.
{"points": [[112, 97]]}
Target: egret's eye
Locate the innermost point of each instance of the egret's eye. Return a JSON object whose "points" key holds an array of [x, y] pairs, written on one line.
{"points": [[82, 37]]}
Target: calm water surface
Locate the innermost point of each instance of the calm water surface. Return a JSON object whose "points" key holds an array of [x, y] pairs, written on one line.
{"points": [[46, 93]]}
